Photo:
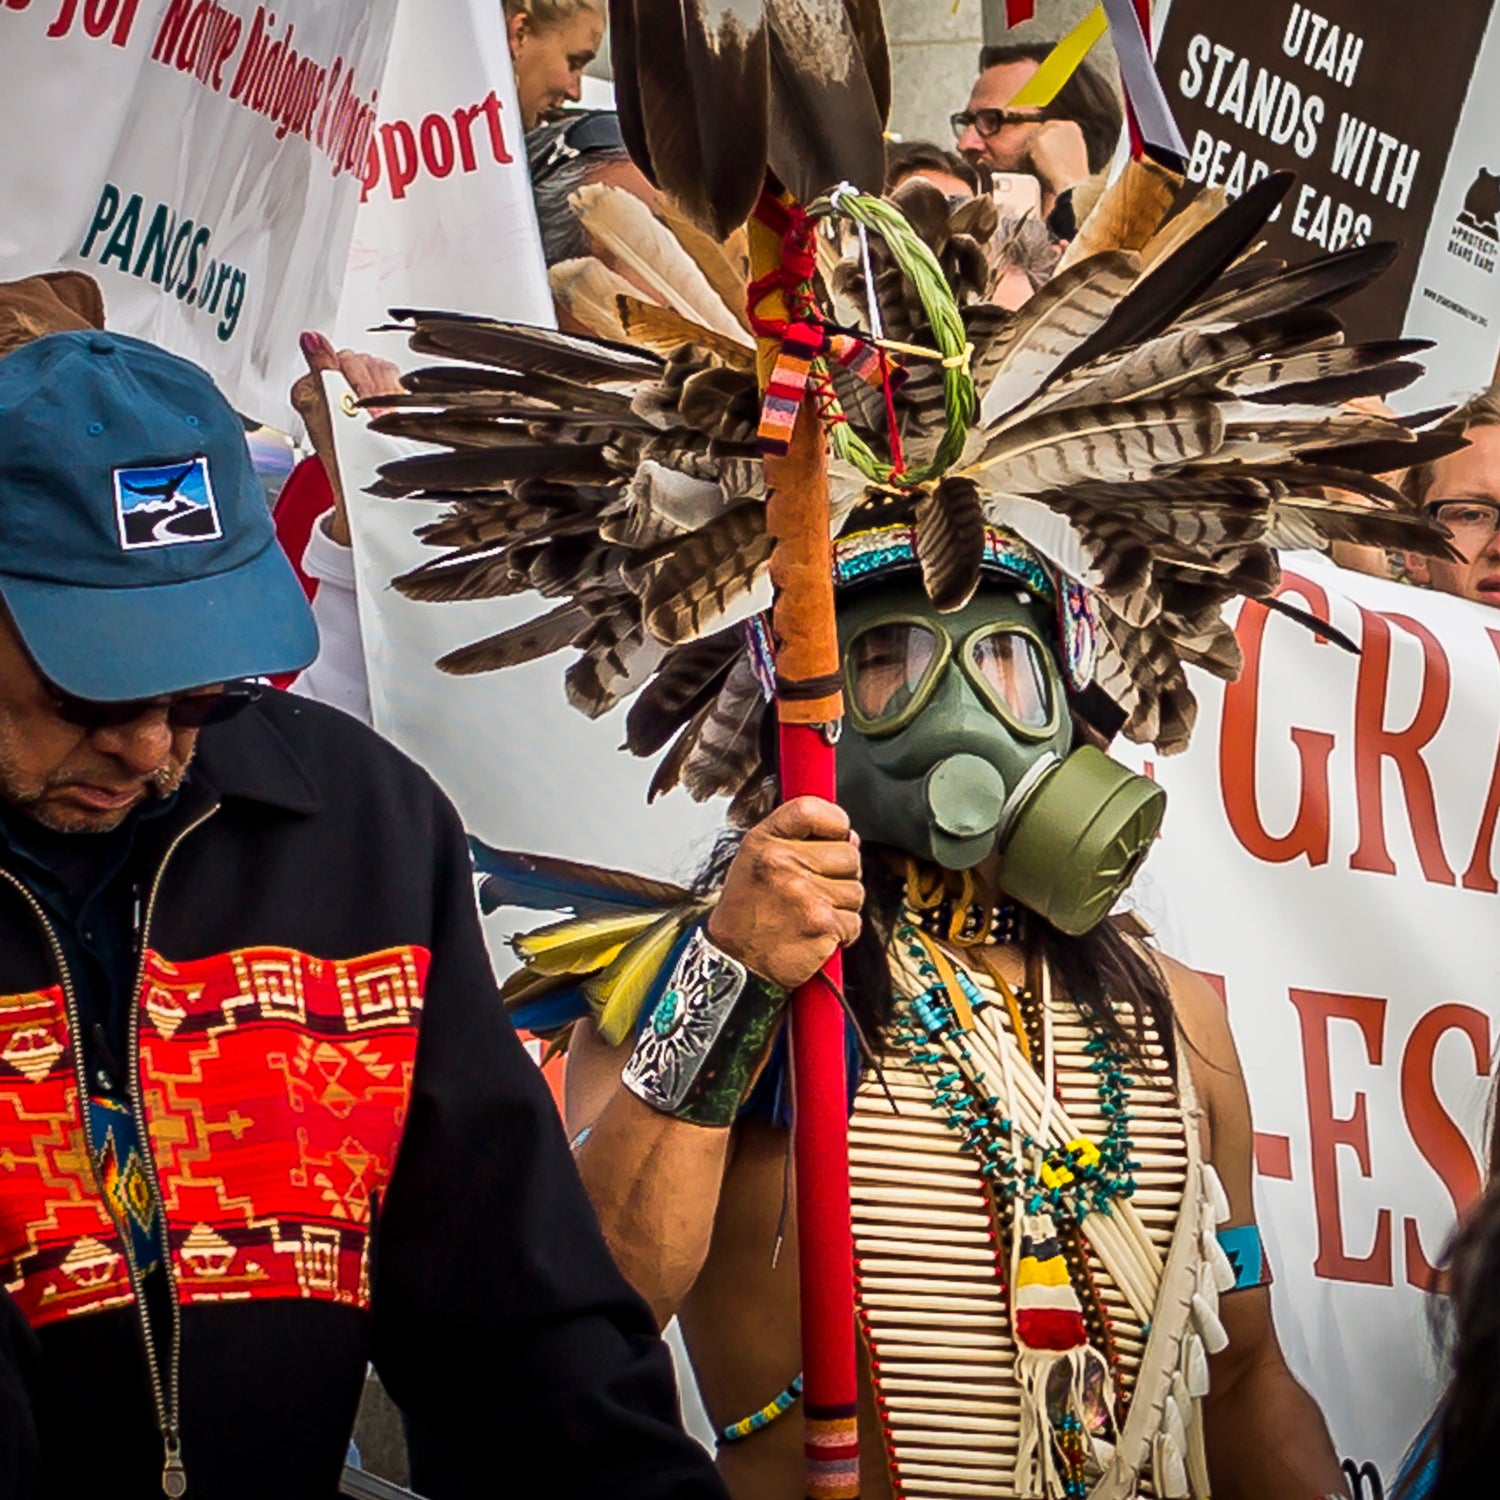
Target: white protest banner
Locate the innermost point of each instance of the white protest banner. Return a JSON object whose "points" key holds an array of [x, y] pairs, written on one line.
{"points": [[446, 217], [1329, 857], [201, 158], [1387, 114]]}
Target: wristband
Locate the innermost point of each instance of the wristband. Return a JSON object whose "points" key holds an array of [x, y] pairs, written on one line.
{"points": [[1247, 1259], [697, 1057]]}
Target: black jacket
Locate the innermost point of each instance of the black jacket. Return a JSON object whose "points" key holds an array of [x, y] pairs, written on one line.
{"points": [[357, 1158]]}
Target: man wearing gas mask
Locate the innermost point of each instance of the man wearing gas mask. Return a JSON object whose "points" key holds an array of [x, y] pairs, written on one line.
{"points": [[1061, 1289], [981, 842]]}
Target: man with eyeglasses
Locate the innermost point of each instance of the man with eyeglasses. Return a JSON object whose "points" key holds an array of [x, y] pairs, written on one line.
{"points": [[1060, 145], [1462, 491], [262, 1118]]}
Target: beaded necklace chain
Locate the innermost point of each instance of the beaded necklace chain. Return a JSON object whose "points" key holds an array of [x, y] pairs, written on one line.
{"points": [[1070, 1181], [973, 924], [948, 906]]}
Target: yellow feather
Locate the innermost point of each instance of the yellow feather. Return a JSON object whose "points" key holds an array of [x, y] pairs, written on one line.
{"points": [[616, 996], [580, 945]]}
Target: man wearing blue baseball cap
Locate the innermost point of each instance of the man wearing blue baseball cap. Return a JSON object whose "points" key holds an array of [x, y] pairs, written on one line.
{"points": [[262, 1118]]}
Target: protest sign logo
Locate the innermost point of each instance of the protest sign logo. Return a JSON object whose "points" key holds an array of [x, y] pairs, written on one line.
{"points": [[1482, 204], [166, 505], [1475, 238]]}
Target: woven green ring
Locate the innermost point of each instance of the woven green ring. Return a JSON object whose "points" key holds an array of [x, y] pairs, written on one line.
{"points": [[918, 264]]}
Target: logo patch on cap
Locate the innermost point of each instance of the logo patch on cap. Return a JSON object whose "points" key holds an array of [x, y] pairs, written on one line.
{"points": [[166, 505]]}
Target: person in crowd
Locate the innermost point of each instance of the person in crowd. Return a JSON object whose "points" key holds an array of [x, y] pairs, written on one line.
{"points": [[1462, 492], [1060, 144], [1006, 1330], [551, 43], [263, 1116], [566, 155], [945, 170]]}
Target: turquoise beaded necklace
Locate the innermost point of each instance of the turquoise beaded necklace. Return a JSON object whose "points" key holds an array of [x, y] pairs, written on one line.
{"points": [[1069, 1182]]}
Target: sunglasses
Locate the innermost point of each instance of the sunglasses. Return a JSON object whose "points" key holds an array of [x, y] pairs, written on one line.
{"points": [[892, 668], [186, 711], [989, 122]]}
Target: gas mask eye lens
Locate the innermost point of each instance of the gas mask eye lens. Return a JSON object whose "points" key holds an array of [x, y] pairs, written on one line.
{"points": [[1009, 665], [888, 667]]}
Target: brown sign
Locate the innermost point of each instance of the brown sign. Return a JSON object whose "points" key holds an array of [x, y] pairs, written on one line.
{"points": [[1360, 98]]}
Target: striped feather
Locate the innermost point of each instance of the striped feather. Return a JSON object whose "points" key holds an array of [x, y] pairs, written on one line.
{"points": [[688, 678], [618, 658], [521, 643], [542, 882], [1116, 443], [1193, 361], [727, 751], [690, 588], [1069, 310], [1177, 281], [1321, 280], [520, 347], [950, 541]]}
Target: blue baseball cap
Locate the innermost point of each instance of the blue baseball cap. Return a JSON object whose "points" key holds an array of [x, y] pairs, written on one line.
{"points": [[137, 556]]}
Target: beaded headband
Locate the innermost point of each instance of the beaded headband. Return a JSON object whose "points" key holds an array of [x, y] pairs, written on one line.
{"points": [[881, 551], [861, 556]]}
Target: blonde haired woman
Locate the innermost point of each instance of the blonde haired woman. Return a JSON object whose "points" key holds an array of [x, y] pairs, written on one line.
{"points": [[551, 43]]}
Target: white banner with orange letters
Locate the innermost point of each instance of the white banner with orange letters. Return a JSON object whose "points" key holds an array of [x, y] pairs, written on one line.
{"points": [[1329, 858]]}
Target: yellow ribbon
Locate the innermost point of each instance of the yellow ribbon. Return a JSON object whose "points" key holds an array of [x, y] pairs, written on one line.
{"points": [[1062, 62]]}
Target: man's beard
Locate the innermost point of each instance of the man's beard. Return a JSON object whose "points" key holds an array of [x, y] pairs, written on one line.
{"points": [[162, 783]]}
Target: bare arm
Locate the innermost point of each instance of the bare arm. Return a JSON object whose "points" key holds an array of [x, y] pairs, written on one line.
{"points": [[791, 895], [1266, 1437], [654, 1180]]}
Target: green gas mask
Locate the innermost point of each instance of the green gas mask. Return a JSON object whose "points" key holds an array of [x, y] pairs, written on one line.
{"points": [[958, 746]]}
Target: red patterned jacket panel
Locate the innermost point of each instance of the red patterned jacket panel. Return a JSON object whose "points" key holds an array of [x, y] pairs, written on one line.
{"points": [[58, 1249], [276, 1086]]}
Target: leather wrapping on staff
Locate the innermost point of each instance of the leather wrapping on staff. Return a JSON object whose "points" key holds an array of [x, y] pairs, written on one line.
{"points": [[802, 572]]}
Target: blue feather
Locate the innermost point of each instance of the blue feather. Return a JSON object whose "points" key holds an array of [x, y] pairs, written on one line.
{"points": [[538, 882], [549, 1013]]}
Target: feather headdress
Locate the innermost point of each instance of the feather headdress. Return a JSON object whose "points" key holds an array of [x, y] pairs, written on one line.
{"points": [[1153, 424]]}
